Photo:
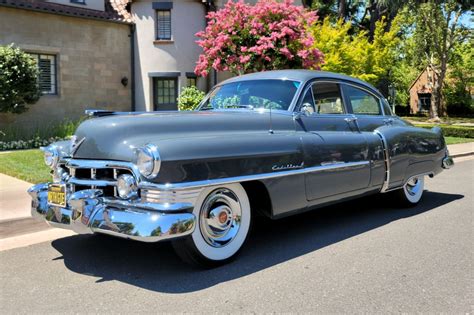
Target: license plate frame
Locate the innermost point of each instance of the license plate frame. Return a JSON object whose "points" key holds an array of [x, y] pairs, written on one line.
{"points": [[57, 195]]}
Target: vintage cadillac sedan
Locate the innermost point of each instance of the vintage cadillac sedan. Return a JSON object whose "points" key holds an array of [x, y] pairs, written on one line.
{"points": [[277, 143]]}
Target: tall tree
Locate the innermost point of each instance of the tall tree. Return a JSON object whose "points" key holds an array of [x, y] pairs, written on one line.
{"points": [[438, 32]]}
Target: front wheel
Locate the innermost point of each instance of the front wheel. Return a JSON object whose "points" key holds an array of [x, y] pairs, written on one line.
{"points": [[222, 224], [411, 192]]}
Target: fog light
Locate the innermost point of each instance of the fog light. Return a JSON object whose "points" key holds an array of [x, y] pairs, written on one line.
{"points": [[127, 186]]}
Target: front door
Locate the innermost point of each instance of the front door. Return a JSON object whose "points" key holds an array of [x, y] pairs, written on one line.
{"points": [[333, 144]]}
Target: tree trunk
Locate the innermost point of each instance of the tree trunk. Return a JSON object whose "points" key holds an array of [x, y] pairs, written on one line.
{"points": [[442, 75], [374, 17], [342, 8]]}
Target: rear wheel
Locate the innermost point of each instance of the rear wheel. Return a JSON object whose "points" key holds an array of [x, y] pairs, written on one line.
{"points": [[411, 192], [222, 224]]}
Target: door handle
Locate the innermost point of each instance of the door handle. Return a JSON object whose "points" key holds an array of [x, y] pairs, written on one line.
{"points": [[350, 119], [388, 121]]}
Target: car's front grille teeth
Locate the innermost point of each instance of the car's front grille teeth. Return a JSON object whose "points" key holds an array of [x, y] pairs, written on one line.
{"points": [[95, 178]]}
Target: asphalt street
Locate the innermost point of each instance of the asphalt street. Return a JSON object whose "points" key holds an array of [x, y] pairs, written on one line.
{"points": [[359, 256]]}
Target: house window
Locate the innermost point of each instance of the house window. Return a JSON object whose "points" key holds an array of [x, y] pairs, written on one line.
{"points": [[165, 92], [78, 1], [163, 24], [191, 79], [47, 73]]}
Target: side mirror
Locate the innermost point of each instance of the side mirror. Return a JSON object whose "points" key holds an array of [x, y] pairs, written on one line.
{"points": [[306, 110]]}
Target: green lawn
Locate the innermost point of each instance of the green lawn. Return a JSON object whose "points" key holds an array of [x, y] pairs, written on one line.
{"points": [[27, 165], [454, 140]]}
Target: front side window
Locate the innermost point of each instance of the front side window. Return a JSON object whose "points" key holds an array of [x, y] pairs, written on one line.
{"points": [[324, 98], [163, 24], [165, 93], [362, 102], [47, 79], [274, 94]]}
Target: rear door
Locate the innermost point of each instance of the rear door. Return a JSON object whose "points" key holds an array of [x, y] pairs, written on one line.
{"points": [[373, 113], [333, 144]]}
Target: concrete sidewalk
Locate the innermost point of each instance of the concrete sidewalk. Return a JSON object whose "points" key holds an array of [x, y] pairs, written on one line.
{"points": [[14, 200], [461, 149]]}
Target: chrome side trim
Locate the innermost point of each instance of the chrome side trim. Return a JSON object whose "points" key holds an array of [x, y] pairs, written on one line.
{"points": [[170, 196], [387, 161], [246, 178]]}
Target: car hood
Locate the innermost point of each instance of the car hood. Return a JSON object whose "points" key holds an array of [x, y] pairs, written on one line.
{"points": [[115, 137]]}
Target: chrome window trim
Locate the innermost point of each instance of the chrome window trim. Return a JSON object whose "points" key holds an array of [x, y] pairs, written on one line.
{"points": [[246, 178]]}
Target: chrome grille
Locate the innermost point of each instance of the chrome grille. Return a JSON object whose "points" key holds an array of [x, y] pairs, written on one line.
{"points": [[100, 177]]}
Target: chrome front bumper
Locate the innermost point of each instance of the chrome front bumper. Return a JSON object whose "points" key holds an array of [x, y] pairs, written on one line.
{"points": [[88, 212]]}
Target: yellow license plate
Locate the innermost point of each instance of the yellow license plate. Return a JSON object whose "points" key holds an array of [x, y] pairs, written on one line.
{"points": [[57, 195]]}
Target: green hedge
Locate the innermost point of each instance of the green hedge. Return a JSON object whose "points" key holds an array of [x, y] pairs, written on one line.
{"points": [[452, 131]]}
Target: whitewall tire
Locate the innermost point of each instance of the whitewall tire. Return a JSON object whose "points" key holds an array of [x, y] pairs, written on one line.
{"points": [[411, 192], [223, 218]]}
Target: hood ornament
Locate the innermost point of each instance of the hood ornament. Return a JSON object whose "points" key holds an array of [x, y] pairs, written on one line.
{"points": [[75, 143]]}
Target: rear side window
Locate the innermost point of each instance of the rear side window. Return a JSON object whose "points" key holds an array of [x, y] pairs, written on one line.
{"points": [[386, 108], [362, 102]]}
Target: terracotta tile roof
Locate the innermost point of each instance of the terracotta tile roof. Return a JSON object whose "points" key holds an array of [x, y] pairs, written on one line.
{"points": [[120, 6], [115, 10]]}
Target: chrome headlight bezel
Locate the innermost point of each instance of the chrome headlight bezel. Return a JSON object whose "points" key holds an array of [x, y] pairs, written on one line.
{"points": [[148, 161], [51, 156]]}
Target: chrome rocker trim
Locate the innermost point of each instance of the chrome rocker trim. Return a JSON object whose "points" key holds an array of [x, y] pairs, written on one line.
{"points": [[88, 212]]}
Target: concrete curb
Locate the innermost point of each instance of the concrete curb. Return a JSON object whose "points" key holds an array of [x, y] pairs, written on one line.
{"points": [[461, 154]]}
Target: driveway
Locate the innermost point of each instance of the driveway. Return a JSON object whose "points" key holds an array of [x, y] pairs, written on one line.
{"points": [[359, 256]]}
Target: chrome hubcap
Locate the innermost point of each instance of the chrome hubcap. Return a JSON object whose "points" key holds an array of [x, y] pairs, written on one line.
{"points": [[220, 217], [413, 186]]}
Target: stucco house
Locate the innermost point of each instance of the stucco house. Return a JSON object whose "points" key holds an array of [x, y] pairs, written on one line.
{"points": [[421, 91], [124, 55], [84, 53]]}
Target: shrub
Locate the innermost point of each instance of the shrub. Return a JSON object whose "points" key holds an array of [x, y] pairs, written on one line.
{"points": [[28, 144], [453, 131], [189, 98], [18, 80], [269, 35]]}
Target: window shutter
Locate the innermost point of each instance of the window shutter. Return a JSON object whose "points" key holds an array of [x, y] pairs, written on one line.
{"points": [[45, 80]]}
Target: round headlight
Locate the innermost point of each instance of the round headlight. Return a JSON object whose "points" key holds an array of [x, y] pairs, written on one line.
{"points": [[51, 156], [148, 161], [126, 186]]}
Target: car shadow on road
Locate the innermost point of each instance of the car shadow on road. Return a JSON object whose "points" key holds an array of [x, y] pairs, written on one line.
{"points": [[155, 266]]}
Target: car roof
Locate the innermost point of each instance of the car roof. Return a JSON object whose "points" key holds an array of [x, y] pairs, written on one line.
{"points": [[298, 75]]}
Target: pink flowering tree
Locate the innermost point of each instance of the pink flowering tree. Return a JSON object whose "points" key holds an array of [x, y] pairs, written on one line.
{"points": [[269, 35]]}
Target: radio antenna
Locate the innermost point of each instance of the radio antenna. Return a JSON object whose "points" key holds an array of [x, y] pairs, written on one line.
{"points": [[271, 121]]}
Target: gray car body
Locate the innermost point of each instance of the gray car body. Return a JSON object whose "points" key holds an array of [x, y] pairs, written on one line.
{"points": [[298, 160]]}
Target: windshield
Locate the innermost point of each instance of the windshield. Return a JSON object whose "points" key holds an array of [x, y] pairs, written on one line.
{"points": [[274, 94]]}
